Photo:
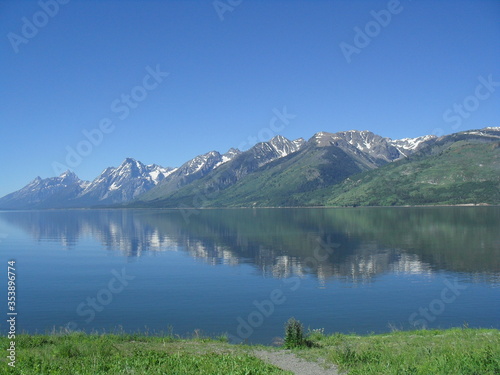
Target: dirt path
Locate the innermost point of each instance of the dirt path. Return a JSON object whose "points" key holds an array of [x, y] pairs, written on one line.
{"points": [[286, 360]]}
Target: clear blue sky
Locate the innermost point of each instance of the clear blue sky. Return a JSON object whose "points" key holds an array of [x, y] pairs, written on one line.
{"points": [[226, 76]]}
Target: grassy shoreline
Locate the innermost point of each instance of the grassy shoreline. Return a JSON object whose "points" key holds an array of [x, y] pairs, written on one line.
{"points": [[453, 351]]}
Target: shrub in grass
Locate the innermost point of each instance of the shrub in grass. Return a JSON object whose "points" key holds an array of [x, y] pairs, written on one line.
{"points": [[294, 334]]}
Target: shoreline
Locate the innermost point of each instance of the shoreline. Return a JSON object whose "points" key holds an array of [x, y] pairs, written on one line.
{"points": [[422, 351], [246, 207]]}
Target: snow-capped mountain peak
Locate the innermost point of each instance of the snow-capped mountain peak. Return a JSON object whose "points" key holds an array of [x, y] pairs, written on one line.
{"points": [[201, 162], [363, 140], [36, 180], [128, 180], [228, 156], [409, 145], [158, 173], [231, 153], [299, 142], [277, 147], [67, 174], [46, 192], [283, 146], [371, 144]]}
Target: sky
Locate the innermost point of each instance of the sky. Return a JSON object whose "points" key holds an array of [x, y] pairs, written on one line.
{"points": [[86, 84]]}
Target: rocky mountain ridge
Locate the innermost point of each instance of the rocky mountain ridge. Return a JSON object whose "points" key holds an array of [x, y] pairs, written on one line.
{"points": [[325, 159]]}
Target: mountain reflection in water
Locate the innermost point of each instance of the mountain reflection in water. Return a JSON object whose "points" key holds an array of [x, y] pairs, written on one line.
{"points": [[355, 244]]}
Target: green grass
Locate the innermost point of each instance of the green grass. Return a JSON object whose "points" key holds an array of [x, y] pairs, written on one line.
{"points": [[462, 174], [455, 351], [82, 354]]}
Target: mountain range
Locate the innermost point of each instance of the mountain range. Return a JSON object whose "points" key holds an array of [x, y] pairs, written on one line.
{"points": [[344, 168]]}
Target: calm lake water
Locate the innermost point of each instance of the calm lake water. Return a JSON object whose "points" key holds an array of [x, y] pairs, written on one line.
{"points": [[244, 272]]}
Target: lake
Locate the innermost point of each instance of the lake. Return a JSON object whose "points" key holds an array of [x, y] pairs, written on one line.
{"points": [[244, 272]]}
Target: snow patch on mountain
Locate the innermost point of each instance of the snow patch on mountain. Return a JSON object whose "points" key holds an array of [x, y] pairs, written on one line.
{"points": [[407, 146], [121, 184], [228, 156], [45, 193], [275, 148], [485, 132], [372, 144]]}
